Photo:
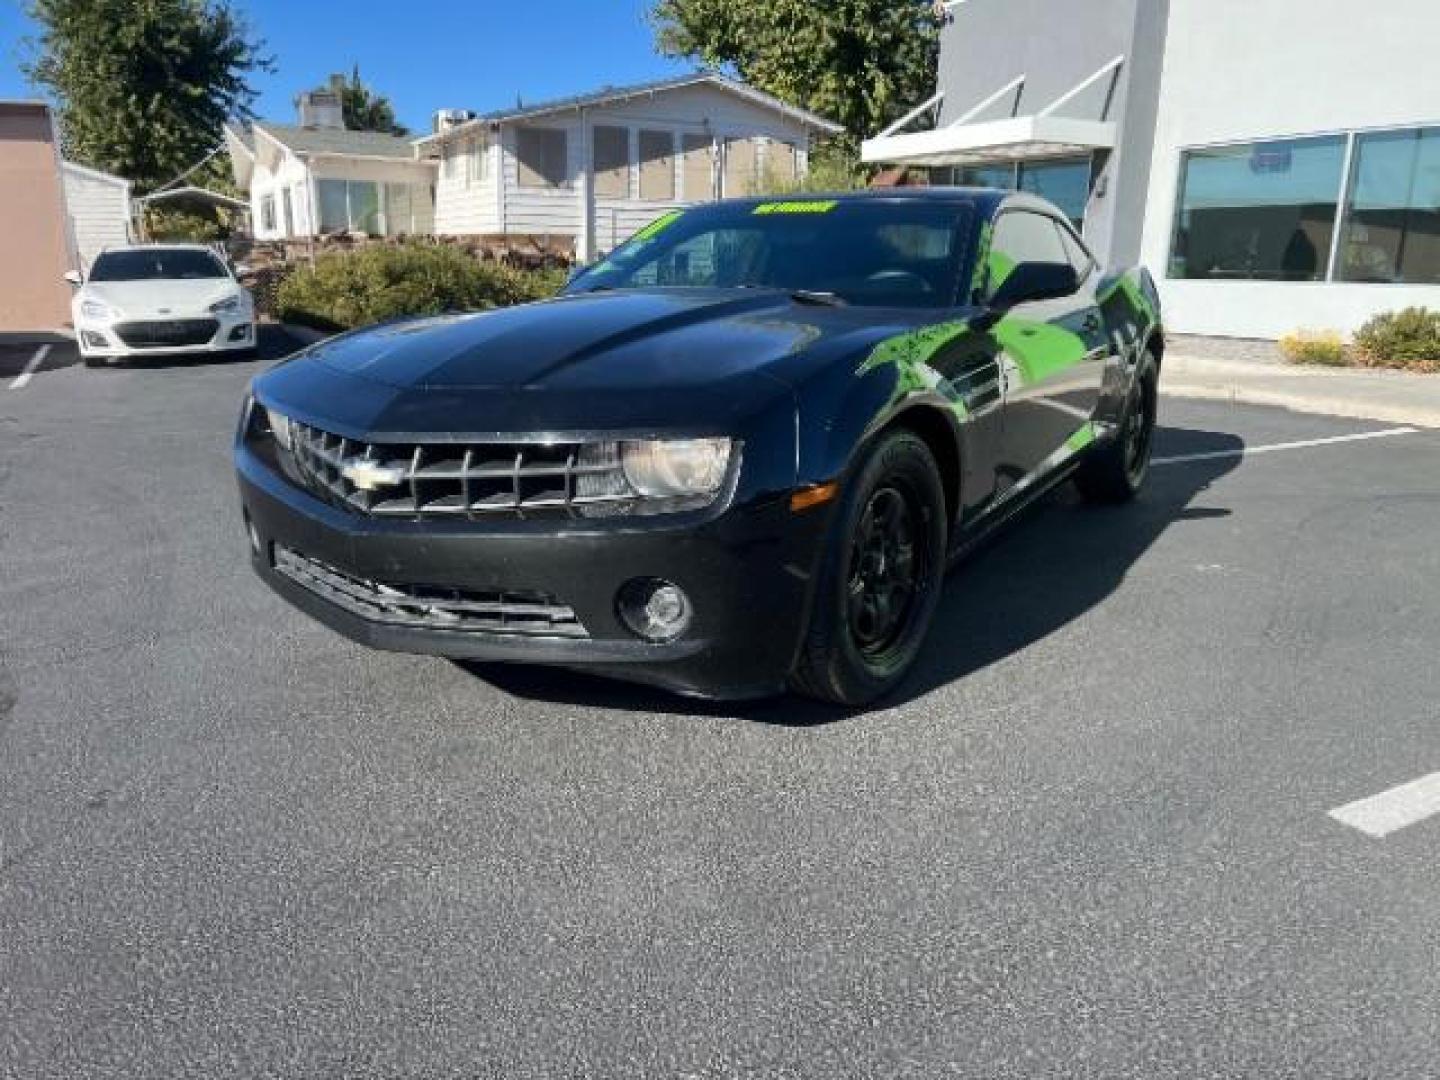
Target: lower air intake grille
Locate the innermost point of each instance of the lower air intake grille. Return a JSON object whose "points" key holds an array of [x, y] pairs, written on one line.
{"points": [[433, 608], [167, 334]]}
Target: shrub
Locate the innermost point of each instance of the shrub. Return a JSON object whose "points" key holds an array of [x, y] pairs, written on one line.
{"points": [[373, 284], [1309, 347], [1407, 339]]}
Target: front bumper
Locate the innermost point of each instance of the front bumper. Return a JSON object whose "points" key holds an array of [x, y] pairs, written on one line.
{"points": [[233, 333], [746, 570]]}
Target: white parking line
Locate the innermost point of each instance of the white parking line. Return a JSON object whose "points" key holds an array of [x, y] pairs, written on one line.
{"points": [[1247, 451], [35, 362], [1382, 814]]}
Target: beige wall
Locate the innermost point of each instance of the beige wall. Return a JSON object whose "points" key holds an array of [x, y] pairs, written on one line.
{"points": [[35, 249]]}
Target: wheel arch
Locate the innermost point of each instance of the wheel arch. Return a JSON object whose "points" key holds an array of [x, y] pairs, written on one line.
{"points": [[933, 425]]}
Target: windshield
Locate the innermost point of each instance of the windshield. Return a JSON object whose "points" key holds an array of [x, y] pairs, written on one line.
{"points": [[882, 252], [157, 264]]}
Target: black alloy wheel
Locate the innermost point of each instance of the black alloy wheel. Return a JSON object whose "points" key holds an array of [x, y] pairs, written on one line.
{"points": [[1116, 471], [880, 576]]}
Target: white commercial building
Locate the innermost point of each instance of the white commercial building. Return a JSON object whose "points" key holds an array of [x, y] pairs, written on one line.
{"points": [[1275, 163]]}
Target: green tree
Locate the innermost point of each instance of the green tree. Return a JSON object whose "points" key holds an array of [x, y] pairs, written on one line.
{"points": [[142, 87], [861, 63], [366, 110]]}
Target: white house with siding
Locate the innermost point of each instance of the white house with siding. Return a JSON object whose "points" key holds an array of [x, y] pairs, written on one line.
{"points": [[97, 205], [591, 170], [316, 177]]}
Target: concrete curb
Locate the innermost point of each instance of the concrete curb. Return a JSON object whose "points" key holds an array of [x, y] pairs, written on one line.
{"points": [[1387, 396]]}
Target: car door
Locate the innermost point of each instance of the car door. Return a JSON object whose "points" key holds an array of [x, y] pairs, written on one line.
{"points": [[1052, 353]]}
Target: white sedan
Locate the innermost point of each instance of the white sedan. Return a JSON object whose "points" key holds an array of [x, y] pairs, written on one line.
{"points": [[156, 300]]}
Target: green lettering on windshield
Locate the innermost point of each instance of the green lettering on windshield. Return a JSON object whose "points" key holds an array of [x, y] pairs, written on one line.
{"points": [[797, 206]]}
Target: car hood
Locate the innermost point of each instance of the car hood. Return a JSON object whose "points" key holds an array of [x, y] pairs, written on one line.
{"points": [[656, 360], [160, 297]]}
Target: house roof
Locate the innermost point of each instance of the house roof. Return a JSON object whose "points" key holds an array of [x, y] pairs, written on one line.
{"points": [[94, 174], [612, 94], [308, 140]]}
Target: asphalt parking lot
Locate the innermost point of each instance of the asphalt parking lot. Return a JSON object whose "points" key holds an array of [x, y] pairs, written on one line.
{"points": [[1091, 837]]}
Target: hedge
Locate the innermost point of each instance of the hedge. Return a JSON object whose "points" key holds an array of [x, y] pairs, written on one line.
{"points": [[374, 284]]}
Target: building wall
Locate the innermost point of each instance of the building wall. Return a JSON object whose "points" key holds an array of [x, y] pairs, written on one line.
{"points": [[1056, 45], [1238, 70], [99, 208], [36, 250], [275, 174], [558, 211]]}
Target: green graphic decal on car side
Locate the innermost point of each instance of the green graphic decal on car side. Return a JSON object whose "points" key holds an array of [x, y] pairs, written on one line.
{"points": [[1039, 349], [1082, 438], [797, 206], [912, 354]]}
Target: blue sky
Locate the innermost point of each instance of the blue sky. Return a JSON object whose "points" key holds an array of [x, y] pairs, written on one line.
{"points": [[427, 54]]}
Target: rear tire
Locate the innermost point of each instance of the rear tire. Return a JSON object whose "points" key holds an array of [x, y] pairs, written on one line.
{"points": [[1116, 472], [880, 577]]}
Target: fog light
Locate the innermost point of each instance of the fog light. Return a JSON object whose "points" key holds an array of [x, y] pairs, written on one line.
{"points": [[94, 339], [240, 333], [655, 610]]}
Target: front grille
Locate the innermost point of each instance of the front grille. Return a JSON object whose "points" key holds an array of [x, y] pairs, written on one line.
{"points": [[469, 480], [168, 333], [432, 607]]}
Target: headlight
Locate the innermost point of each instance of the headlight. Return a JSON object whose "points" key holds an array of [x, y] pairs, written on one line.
{"points": [[279, 427], [94, 309], [226, 306], [676, 466]]}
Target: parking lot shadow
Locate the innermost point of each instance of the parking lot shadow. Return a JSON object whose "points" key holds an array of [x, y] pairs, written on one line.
{"points": [[1047, 568]]}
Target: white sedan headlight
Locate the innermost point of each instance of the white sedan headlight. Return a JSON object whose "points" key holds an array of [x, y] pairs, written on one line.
{"points": [[94, 309], [670, 467], [228, 306]]}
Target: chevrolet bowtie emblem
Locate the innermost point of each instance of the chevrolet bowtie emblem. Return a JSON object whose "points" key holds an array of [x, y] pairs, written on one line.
{"points": [[368, 475]]}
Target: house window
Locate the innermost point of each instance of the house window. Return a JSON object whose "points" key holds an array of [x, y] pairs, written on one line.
{"points": [[541, 154], [1392, 221], [474, 161], [267, 213], [1258, 211], [657, 165], [349, 206], [698, 169], [741, 161], [782, 163], [611, 161]]}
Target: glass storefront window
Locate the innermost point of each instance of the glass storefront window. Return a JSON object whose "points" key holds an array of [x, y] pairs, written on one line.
{"points": [[1065, 183], [1258, 211], [1392, 223]]}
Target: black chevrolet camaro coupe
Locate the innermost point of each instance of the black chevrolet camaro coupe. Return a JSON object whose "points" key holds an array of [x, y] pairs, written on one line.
{"points": [[736, 455]]}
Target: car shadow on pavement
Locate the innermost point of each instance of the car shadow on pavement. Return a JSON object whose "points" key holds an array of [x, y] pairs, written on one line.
{"points": [[1056, 562]]}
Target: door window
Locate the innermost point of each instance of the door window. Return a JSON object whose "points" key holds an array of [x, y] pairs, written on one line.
{"points": [[1019, 237]]}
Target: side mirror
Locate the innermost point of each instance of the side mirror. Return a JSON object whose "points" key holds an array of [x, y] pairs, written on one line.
{"points": [[1033, 281], [74, 278]]}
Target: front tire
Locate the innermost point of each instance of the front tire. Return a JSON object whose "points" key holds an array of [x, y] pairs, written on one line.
{"points": [[1116, 473], [880, 577]]}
